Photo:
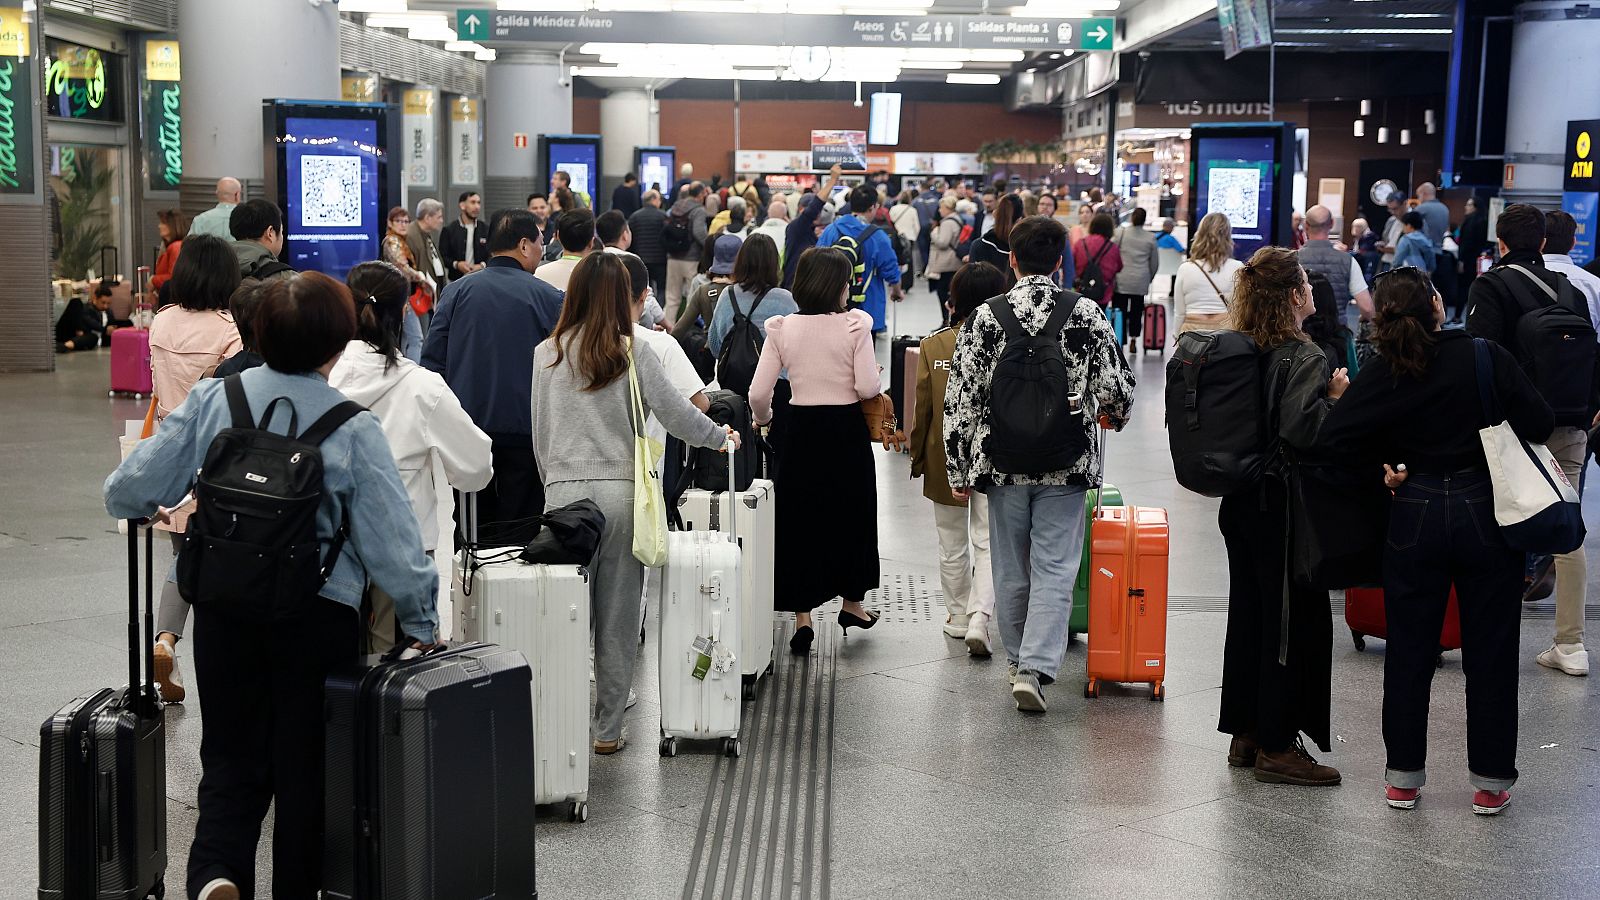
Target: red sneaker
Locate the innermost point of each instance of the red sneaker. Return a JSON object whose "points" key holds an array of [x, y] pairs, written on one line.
{"points": [[1490, 803], [1401, 798]]}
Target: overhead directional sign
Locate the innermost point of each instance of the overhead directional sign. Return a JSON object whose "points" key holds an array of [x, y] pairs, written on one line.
{"points": [[954, 32]]}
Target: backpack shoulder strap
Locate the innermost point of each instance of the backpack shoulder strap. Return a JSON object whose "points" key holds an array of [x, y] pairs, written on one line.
{"points": [[238, 403], [1538, 282], [1001, 308], [866, 235], [1102, 252], [330, 422], [1065, 302]]}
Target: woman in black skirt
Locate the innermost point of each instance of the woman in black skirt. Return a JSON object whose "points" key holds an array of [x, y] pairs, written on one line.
{"points": [[826, 454]]}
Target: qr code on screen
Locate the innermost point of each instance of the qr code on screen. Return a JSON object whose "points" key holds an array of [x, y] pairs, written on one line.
{"points": [[1235, 194], [330, 191]]}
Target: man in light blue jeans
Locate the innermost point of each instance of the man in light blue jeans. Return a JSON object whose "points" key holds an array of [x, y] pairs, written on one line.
{"points": [[1034, 479]]}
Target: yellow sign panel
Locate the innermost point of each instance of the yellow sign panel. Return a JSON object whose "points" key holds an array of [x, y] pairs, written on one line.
{"points": [[161, 60], [14, 26], [464, 110], [359, 87], [418, 103], [1583, 145]]}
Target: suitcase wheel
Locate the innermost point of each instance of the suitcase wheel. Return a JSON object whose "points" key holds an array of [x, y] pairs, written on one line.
{"points": [[1158, 693], [669, 746], [748, 690], [1092, 689], [580, 811], [730, 747], [1359, 639]]}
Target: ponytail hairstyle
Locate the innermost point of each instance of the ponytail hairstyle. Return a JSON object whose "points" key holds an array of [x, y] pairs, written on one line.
{"points": [[1406, 319], [380, 291], [1265, 294]]}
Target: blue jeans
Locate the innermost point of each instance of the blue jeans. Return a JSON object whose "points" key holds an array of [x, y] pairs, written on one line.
{"points": [[1036, 543]]}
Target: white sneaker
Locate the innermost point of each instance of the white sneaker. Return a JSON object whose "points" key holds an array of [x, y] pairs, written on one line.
{"points": [[1027, 694], [1569, 658], [166, 676], [632, 699], [978, 635], [955, 626], [219, 889], [1011, 673]]}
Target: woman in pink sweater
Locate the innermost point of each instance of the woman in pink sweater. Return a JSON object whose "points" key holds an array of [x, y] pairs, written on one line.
{"points": [[824, 448]]}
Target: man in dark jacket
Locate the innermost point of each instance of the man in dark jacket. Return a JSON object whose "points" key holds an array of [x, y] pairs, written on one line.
{"points": [[683, 265], [1498, 300], [646, 224], [480, 340], [801, 234], [625, 199], [464, 243]]}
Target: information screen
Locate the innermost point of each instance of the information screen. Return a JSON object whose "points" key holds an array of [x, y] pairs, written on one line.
{"points": [[883, 125], [581, 162], [656, 169], [1236, 179], [333, 193]]}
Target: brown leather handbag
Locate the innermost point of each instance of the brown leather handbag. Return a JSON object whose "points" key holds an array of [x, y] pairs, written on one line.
{"points": [[882, 426]]}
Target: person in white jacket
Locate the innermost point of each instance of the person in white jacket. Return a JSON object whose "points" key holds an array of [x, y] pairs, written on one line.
{"points": [[420, 415]]}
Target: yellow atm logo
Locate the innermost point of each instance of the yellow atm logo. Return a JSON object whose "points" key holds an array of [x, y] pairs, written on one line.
{"points": [[1583, 166]]}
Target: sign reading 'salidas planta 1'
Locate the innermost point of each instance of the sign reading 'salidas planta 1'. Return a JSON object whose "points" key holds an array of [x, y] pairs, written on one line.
{"points": [[16, 101], [163, 113]]}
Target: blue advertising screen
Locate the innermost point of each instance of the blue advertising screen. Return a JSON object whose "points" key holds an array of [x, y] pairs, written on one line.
{"points": [[1235, 178], [581, 162], [333, 216], [656, 171]]}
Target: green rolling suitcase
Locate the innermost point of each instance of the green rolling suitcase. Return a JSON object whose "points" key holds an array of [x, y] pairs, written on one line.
{"points": [[1079, 622]]}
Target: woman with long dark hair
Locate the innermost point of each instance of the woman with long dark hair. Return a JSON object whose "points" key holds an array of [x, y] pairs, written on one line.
{"points": [[583, 430], [174, 227], [1098, 249], [994, 247], [420, 415], [1415, 410], [1277, 660], [827, 353]]}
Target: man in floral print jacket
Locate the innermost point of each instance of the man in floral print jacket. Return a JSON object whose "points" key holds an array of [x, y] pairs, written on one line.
{"points": [[1036, 522]]}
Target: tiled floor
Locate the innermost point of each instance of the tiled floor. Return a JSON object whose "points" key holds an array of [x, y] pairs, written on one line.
{"points": [[939, 788]]}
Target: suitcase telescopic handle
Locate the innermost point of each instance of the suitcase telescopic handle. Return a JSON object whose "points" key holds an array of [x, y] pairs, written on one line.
{"points": [[145, 688], [1100, 492], [731, 451]]}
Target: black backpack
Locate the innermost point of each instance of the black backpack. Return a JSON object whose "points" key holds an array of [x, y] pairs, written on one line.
{"points": [[693, 339], [252, 545], [1555, 343], [268, 269], [677, 233], [1033, 428], [902, 248], [1217, 422], [1092, 283], [855, 247], [741, 348]]}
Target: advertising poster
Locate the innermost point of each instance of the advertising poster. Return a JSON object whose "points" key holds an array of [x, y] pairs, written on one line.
{"points": [[359, 87], [16, 102], [581, 162], [417, 127], [772, 161], [1245, 24], [466, 142], [80, 84], [1235, 179], [847, 149], [656, 170], [332, 166], [1580, 187], [163, 114]]}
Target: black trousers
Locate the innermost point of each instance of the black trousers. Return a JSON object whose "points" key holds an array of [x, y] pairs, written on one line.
{"points": [[941, 289], [658, 280], [1442, 531], [261, 742], [514, 495], [1132, 306]]}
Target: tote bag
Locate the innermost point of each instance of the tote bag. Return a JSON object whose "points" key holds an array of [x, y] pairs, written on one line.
{"points": [[1534, 503], [649, 507]]}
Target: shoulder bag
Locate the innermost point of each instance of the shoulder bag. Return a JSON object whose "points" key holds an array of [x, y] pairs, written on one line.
{"points": [[649, 507]]}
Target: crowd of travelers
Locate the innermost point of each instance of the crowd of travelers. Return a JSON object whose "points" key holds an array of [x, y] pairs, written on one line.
{"points": [[496, 355]]}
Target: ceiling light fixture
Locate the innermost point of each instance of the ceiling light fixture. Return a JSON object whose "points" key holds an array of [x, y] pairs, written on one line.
{"points": [[372, 6], [1366, 107], [1383, 134], [1361, 129], [971, 78], [1405, 136]]}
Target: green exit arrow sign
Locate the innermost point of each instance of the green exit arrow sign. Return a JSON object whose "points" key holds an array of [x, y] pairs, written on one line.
{"points": [[473, 24], [1097, 34]]}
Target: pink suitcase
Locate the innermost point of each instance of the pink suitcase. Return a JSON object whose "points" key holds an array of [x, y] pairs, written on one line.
{"points": [[130, 362]]}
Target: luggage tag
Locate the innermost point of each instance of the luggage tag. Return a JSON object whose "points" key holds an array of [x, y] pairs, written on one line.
{"points": [[701, 650], [722, 657]]}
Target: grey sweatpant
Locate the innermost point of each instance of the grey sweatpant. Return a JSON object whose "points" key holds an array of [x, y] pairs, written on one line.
{"points": [[616, 579], [173, 612]]}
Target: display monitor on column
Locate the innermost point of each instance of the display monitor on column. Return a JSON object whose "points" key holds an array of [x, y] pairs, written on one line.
{"points": [[330, 174], [578, 155], [657, 168], [1245, 172]]}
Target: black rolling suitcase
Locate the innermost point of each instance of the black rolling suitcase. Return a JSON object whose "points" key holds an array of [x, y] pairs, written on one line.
{"points": [[897, 372], [429, 767], [103, 776]]}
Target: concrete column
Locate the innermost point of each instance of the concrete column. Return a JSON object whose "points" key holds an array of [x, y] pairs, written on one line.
{"points": [[1549, 37], [526, 95], [234, 56], [628, 119]]}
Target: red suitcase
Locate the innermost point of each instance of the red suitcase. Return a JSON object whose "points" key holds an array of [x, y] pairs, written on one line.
{"points": [[1155, 329], [130, 362], [1364, 613]]}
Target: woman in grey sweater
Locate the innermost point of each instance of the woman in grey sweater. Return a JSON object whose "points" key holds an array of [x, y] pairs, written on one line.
{"points": [[583, 432]]}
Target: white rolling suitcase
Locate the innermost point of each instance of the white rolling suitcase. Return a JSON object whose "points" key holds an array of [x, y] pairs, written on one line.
{"points": [[543, 611], [701, 696], [757, 536]]}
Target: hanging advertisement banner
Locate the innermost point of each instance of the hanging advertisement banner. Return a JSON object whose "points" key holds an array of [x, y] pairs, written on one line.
{"points": [[1245, 24], [466, 141], [846, 149], [417, 124], [17, 159], [359, 87], [1580, 185], [163, 113]]}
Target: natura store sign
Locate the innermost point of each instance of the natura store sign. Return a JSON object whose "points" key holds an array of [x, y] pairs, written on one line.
{"points": [[16, 102], [163, 113]]}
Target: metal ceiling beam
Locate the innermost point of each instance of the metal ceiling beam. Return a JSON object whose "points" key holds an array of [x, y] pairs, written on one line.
{"points": [[1152, 20]]}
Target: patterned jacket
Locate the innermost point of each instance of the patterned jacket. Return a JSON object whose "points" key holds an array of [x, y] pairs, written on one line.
{"points": [[1095, 368]]}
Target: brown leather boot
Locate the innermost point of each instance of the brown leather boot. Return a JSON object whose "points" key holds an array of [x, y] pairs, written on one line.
{"points": [[1294, 765], [1242, 751]]}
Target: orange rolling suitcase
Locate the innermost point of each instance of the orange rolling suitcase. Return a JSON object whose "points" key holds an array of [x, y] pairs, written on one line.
{"points": [[1128, 598]]}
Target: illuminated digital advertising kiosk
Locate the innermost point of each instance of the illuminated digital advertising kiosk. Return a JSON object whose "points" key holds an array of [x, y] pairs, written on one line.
{"points": [[1246, 172]]}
